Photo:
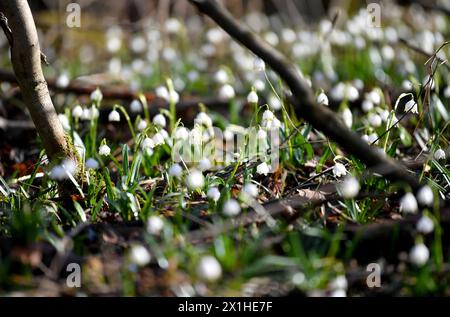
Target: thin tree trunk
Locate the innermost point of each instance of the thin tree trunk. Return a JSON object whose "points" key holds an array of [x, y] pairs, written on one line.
{"points": [[18, 24]]}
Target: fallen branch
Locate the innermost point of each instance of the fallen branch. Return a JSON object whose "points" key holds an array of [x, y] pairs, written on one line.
{"points": [[303, 98]]}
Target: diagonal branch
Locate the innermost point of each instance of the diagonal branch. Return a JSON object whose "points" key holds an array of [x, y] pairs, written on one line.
{"points": [[303, 99]]}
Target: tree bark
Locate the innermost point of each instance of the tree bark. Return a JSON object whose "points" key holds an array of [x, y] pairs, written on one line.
{"points": [[18, 24]]}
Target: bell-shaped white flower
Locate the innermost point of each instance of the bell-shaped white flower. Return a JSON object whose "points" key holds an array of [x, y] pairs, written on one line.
{"points": [[136, 106], [92, 163], [419, 254], [213, 194], [175, 170], [339, 170], [349, 188], [226, 92], [139, 255], [154, 225], [408, 203], [159, 120], [114, 116], [231, 208], [104, 150], [77, 111], [425, 196], [252, 97], [439, 154], [263, 169], [322, 99], [209, 269], [195, 180], [425, 225]]}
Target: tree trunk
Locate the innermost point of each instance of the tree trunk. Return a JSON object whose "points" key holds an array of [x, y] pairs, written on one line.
{"points": [[18, 25]]}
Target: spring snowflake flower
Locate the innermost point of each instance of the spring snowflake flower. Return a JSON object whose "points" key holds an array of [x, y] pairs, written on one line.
{"points": [[174, 97], [425, 225], [439, 155], [367, 105], [139, 255], [274, 102], [221, 77], [154, 225], [263, 169], [419, 254], [159, 120], [339, 170], [374, 97], [77, 111], [340, 282], [209, 269], [158, 139], [268, 115], [213, 194], [370, 138], [259, 65], [425, 196], [92, 163], [175, 170], [64, 121], [226, 92], [347, 116], [96, 95], [411, 106], [252, 97], [231, 208], [322, 99], [147, 143], [181, 133], [408, 204], [62, 171], [250, 189], [142, 125], [204, 164], [162, 92], [114, 116], [375, 120], [262, 135], [195, 180], [104, 150], [349, 188], [203, 119], [136, 106], [447, 92], [63, 80]]}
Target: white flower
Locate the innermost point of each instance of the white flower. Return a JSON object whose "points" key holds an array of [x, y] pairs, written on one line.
{"points": [[154, 225], [374, 96], [96, 95], [274, 102], [139, 255], [114, 116], [367, 105], [63, 170], [135, 106], [411, 106], [439, 154], [92, 163], [408, 204], [419, 254], [162, 92], [195, 180], [338, 293], [425, 225], [104, 150], [221, 76], [352, 93], [407, 85], [209, 269], [203, 119], [263, 169], [175, 170], [147, 143], [250, 189], [322, 99], [174, 97], [262, 135], [226, 92], [339, 170], [425, 196], [259, 65], [252, 97], [373, 138], [347, 116], [385, 115], [142, 125], [63, 80], [349, 188], [231, 208], [204, 164], [181, 133], [77, 111], [213, 194], [447, 92], [64, 121], [268, 115], [374, 120], [158, 139], [259, 85], [159, 120]]}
